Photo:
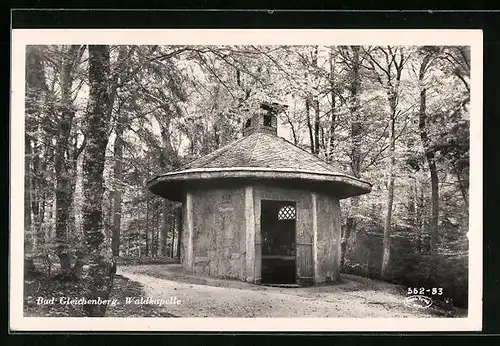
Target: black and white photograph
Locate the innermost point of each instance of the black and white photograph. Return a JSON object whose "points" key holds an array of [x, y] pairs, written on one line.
{"points": [[286, 180]]}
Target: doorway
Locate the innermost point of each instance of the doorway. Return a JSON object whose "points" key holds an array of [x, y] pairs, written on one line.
{"points": [[278, 225]]}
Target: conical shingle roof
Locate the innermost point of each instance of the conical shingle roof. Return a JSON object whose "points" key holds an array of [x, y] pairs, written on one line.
{"points": [[259, 156], [262, 150]]}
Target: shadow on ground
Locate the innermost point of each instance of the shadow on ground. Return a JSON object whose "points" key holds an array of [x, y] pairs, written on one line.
{"points": [[48, 288], [370, 292]]}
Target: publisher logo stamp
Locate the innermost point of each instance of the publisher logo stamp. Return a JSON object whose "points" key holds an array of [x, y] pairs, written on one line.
{"points": [[418, 301]]}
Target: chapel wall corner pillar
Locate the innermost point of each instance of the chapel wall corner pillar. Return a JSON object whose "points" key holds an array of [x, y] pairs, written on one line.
{"points": [[314, 204], [250, 259], [189, 232]]}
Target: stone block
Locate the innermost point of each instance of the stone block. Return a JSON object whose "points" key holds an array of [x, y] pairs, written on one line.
{"points": [[235, 255], [201, 260], [234, 266]]}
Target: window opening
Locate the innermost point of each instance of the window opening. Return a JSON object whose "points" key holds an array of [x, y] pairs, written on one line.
{"points": [[286, 212], [267, 120]]}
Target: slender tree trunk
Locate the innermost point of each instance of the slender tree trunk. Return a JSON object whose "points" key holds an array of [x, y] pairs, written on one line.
{"points": [[292, 128], [29, 264], [315, 104], [165, 226], [72, 228], [217, 139], [157, 229], [72, 211], [38, 186], [147, 223], [331, 132], [168, 160], [64, 196], [356, 127], [390, 189], [355, 133], [172, 228], [117, 193], [309, 125], [118, 150], [316, 126], [138, 230], [154, 224], [35, 96], [431, 160], [27, 190], [392, 86], [464, 191], [35, 162], [101, 266], [333, 112], [35, 88], [179, 234]]}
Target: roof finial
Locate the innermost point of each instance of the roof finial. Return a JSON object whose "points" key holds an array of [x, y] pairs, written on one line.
{"points": [[263, 120]]}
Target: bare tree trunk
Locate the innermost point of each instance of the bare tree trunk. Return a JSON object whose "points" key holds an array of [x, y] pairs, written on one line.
{"points": [[147, 223], [64, 196], [154, 224], [355, 129], [27, 194], [72, 211], [157, 227], [463, 188], [29, 264], [164, 227], [390, 189], [391, 84], [37, 188], [35, 87], [292, 128], [117, 193], [315, 104], [172, 228], [431, 160], [316, 126], [168, 160], [138, 230], [333, 116], [179, 235], [101, 266], [309, 125]]}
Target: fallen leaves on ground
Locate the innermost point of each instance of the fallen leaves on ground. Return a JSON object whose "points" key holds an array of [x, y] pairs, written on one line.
{"points": [[49, 288]]}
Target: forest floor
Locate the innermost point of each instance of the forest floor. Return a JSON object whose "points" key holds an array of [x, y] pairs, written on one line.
{"points": [[46, 287], [199, 296]]}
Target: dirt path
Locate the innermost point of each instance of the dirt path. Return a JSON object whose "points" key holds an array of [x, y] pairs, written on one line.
{"points": [[246, 300]]}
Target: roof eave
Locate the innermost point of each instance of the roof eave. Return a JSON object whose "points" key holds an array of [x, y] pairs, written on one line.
{"points": [[176, 181]]}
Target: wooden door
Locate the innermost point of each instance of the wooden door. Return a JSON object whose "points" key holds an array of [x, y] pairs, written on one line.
{"points": [[305, 265]]}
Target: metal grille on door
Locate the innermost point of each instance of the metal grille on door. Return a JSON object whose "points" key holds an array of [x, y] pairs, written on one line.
{"points": [[286, 212]]}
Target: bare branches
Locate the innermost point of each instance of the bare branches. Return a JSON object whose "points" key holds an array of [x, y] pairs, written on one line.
{"points": [[374, 63], [209, 68]]}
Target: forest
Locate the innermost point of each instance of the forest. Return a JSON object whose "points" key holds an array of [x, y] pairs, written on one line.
{"points": [[102, 120]]}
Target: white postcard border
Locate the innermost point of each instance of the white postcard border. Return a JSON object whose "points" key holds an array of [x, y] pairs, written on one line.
{"points": [[23, 37]]}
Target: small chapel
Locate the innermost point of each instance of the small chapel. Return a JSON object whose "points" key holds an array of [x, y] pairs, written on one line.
{"points": [[260, 209]]}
